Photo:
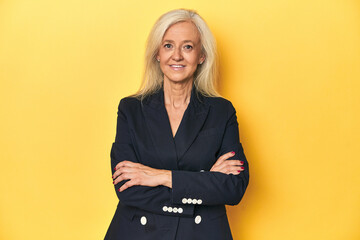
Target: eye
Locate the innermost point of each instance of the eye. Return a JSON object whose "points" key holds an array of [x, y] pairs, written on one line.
{"points": [[168, 45], [188, 47]]}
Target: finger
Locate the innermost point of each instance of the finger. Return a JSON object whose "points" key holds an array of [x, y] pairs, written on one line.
{"points": [[128, 170], [231, 168], [120, 164], [223, 157], [124, 176], [220, 160], [123, 187], [123, 170], [228, 155], [118, 179], [234, 162], [234, 173], [117, 172], [128, 184], [237, 171], [221, 165], [227, 163], [125, 163]]}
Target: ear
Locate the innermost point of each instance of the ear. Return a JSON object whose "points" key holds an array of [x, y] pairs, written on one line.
{"points": [[202, 59]]}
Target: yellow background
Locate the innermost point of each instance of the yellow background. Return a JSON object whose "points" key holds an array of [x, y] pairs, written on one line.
{"points": [[291, 69]]}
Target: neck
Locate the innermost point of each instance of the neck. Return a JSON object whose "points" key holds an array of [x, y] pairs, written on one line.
{"points": [[177, 94]]}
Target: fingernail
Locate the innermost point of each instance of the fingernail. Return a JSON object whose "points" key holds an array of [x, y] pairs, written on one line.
{"points": [[233, 153], [113, 182], [241, 162], [119, 190], [239, 171], [115, 168], [242, 168]]}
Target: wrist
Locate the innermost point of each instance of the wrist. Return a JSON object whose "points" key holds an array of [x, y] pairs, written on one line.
{"points": [[167, 178]]}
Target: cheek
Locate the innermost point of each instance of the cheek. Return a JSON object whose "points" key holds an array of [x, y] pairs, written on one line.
{"points": [[162, 54], [194, 58], [194, 63], [162, 67]]}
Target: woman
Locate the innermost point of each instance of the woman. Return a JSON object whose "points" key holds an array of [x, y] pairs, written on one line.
{"points": [[177, 159]]}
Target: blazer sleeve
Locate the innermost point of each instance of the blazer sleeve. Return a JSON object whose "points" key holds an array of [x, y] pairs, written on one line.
{"points": [[214, 188], [152, 199]]}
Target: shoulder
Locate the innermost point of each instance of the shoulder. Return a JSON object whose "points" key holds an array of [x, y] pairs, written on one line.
{"points": [[128, 103], [217, 101], [220, 104]]}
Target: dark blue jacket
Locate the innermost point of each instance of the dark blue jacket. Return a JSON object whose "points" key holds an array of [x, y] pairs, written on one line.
{"points": [[195, 206]]}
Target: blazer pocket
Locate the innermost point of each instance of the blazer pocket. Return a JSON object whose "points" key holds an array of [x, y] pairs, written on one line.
{"points": [[208, 132]]}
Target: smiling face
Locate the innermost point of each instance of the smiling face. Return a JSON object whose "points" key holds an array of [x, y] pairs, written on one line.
{"points": [[180, 52]]}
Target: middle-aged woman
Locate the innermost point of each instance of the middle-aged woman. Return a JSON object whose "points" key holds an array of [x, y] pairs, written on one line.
{"points": [[177, 160]]}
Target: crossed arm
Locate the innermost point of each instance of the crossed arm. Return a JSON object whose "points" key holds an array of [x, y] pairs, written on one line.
{"points": [[139, 174]]}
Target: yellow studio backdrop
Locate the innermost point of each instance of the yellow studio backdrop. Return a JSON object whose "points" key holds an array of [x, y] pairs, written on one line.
{"points": [[291, 69]]}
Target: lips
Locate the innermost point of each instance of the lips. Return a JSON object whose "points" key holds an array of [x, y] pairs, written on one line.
{"points": [[177, 67]]}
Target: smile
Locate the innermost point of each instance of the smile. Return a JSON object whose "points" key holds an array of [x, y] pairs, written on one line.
{"points": [[177, 67]]}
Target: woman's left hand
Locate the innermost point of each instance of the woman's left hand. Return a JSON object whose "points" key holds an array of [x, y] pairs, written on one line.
{"points": [[139, 174]]}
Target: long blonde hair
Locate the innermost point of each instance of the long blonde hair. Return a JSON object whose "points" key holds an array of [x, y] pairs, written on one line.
{"points": [[206, 74]]}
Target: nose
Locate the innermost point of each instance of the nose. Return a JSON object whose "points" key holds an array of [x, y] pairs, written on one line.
{"points": [[177, 56]]}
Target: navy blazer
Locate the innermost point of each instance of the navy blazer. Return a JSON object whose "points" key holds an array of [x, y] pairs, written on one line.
{"points": [[194, 208]]}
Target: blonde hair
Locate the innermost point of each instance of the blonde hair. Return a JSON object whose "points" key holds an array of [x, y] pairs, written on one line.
{"points": [[206, 74]]}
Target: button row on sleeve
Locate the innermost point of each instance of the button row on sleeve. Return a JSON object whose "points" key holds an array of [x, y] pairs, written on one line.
{"points": [[172, 209], [191, 201]]}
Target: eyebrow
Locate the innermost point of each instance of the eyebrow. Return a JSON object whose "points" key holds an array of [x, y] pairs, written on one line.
{"points": [[185, 41]]}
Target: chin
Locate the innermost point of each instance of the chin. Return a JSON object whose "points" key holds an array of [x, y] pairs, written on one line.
{"points": [[175, 78], [179, 80]]}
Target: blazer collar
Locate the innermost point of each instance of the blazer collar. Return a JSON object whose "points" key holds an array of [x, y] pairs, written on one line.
{"points": [[172, 149]]}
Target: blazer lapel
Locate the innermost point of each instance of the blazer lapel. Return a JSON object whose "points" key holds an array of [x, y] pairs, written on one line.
{"points": [[192, 122], [157, 121]]}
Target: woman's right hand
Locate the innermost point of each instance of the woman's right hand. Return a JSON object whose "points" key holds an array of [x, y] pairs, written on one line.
{"points": [[228, 166]]}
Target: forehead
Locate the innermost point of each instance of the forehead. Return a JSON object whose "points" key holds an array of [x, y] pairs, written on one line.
{"points": [[182, 31]]}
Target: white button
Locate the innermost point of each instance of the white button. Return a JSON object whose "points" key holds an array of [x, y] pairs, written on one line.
{"points": [[143, 220], [180, 210], [170, 209], [197, 219], [165, 208], [199, 201], [175, 210], [202, 170], [184, 201], [194, 201], [189, 200]]}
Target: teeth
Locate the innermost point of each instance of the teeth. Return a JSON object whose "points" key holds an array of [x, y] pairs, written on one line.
{"points": [[176, 66]]}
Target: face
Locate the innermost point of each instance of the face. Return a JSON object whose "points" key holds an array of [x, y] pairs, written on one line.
{"points": [[180, 52]]}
